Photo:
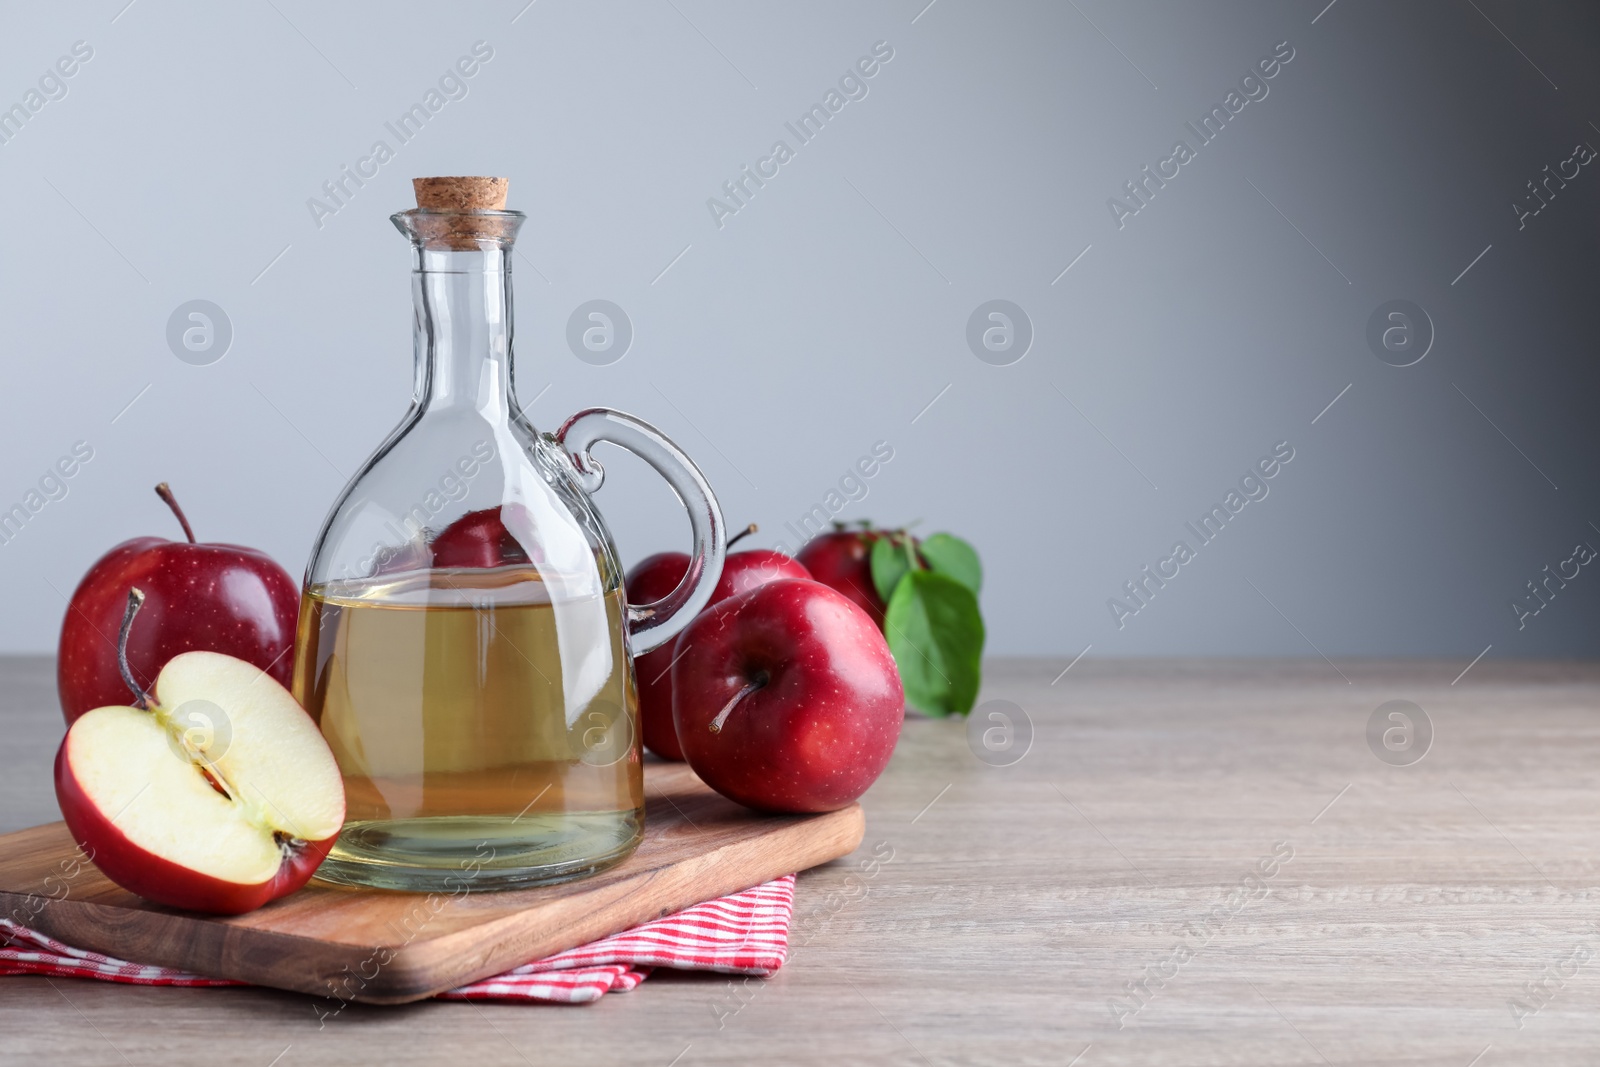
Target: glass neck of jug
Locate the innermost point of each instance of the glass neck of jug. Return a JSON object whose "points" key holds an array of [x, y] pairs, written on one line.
{"points": [[461, 291]]}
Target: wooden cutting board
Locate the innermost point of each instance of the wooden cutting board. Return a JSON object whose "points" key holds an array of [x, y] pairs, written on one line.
{"points": [[353, 944]]}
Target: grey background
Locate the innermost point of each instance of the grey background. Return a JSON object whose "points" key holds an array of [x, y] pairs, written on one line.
{"points": [[830, 311]]}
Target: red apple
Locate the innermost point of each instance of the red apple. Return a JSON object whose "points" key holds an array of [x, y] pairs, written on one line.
{"points": [[786, 698], [478, 539], [653, 578], [218, 795], [842, 560], [199, 596]]}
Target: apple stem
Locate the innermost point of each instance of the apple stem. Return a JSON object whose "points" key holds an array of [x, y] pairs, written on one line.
{"points": [[141, 699], [742, 534], [910, 546], [172, 502], [727, 709]]}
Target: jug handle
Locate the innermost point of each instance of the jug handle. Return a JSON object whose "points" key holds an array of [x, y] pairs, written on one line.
{"points": [[652, 625]]}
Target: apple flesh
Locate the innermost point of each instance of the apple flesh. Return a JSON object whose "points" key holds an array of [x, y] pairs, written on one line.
{"points": [[198, 596], [219, 797], [786, 698], [653, 578]]}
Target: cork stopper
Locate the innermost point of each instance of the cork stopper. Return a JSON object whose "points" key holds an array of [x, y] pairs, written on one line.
{"points": [[460, 194], [461, 213]]}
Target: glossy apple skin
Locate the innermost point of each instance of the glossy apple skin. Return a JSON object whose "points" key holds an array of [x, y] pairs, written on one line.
{"points": [[841, 560], [822, 727], [160, 880], [198, 597], [477, 539], [653, 578]]}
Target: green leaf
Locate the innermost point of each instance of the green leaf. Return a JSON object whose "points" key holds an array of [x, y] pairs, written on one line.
{"points": [[889, 565], [954, 558], [936, 634]]}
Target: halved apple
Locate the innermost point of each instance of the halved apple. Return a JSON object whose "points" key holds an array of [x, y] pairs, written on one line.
{"points": [[219, 796]]}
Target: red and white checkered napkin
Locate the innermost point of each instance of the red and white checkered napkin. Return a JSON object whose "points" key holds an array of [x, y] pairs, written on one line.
{"points": [[746, 933]]}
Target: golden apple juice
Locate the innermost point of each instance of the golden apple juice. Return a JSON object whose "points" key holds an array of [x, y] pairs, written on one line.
{"points": [[484, 725]]}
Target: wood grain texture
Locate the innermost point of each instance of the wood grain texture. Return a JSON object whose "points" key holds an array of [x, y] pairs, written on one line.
{"points": [[379, 947], [992, 914]]}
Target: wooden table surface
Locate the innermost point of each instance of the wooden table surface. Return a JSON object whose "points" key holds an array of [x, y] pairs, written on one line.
{"points": [[1194, 863]]}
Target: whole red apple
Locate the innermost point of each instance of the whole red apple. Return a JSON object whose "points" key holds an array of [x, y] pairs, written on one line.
{"points": [[199, 596], [653, 578], [217, 793], [842, 560], [478, 539], [786, 698]]}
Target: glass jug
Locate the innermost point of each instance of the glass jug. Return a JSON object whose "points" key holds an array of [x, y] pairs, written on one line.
{"points": [[464, 643]]}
